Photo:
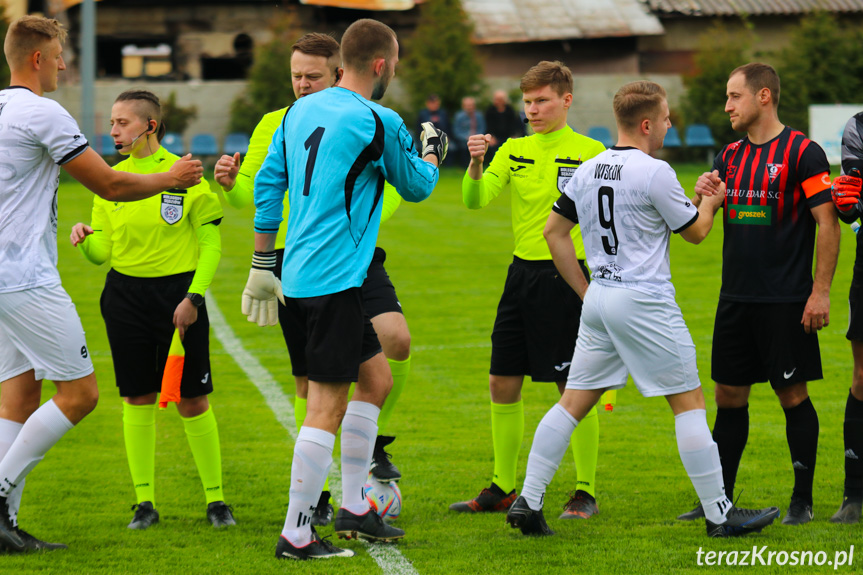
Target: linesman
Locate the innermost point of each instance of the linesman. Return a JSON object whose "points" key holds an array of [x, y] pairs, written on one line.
{"points": [[164, 252]]}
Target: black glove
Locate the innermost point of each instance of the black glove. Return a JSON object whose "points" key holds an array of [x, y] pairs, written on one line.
{"points": [[434, 141]]}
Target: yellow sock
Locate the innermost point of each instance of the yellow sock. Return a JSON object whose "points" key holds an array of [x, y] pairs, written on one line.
{"points": [[507, 431], [400, 370], [585, 449], [202, 432], [139, 432]]}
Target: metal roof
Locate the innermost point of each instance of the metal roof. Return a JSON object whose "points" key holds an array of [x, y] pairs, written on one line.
{"points": [[503, 21], [749, 7]]}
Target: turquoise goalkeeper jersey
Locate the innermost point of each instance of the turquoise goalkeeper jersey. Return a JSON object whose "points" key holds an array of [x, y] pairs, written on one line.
{"points": [[536, 168], [333, 151]]}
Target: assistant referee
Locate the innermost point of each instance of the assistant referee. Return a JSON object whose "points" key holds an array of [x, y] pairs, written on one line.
{"points": [[164, 252]]}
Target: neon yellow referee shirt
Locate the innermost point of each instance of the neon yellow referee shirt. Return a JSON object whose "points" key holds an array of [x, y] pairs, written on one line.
{"points": [[243, 192], [536, 168], [157, 236]]}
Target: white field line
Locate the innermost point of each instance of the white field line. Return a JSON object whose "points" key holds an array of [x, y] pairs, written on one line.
{"points": [[387, 556]]}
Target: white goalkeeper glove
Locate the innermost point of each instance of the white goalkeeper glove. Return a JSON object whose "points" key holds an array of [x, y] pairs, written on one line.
{"points": [[434, 141], [262, 290]]}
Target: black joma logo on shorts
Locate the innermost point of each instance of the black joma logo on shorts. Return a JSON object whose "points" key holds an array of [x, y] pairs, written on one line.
{"points": [[84, 351]]}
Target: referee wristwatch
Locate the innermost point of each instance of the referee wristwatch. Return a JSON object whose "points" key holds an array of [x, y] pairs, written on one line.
{"points": [[196, 299]]}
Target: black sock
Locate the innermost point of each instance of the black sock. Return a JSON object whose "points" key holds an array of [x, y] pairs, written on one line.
{"points": [[853, 447], [801, 429], [730, 432]]}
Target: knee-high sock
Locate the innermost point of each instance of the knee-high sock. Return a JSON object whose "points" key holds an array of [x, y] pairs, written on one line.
{"points": [[359, 430], [549, 444], [39, 433], [730, 432], [801, 429], [700, 457], [400, 370], [300, 416], [139, 431], [853, 447], [202, 432], [313, 455], [8, 432], [300, 411], [507, 432], [585, 450]]}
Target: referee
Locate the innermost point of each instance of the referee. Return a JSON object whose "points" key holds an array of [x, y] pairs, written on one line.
{"points": [[164, 252], [537, 317]]}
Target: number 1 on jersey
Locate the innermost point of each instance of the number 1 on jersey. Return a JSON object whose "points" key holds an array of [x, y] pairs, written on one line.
{"points": [[312, 144], [605, 200]]}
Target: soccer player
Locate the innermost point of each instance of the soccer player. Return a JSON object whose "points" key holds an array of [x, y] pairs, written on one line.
{"points": [[332, 151], [164, 252], [316, 65], [776, 184], [846, 196], [40, 333], [534, 332], [628, 204]]}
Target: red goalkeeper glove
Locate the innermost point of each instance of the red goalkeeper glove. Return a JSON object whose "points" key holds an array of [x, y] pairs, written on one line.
{"points": [[846, 191]]}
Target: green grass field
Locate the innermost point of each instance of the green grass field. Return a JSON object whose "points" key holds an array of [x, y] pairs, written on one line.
{"points": [[448, 265]]}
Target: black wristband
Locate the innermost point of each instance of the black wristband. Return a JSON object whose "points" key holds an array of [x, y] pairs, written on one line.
{"points": [[264, 261]]}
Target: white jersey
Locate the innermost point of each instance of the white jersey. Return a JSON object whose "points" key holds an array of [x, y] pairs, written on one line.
{"points": [[37, 136], [627, 204]]}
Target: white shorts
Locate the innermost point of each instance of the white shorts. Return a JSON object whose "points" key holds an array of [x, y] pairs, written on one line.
{"points": [[40, 330], [627, 331]]}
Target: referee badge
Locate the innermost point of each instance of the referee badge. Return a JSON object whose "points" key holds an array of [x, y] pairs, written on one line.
{"points": [[563, 176], [172, 208]]}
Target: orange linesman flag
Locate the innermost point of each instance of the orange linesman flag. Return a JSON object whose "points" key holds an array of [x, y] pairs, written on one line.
{"points": [[173, 375], [608, 399]]}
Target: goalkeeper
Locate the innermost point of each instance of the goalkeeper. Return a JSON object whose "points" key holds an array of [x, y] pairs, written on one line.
{"points": [[315, 66], [538, 314], [164, 252], [332, 151], [846, 196]]}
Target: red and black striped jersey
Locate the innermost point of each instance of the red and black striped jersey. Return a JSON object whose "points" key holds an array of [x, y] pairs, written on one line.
{"points": [[769, 229]]}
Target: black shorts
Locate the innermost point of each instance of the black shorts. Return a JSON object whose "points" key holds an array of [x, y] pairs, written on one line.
{"points": [[855, 301], [537, 323], [757, 342], [379, 294], [329, 336], [139, 315]]}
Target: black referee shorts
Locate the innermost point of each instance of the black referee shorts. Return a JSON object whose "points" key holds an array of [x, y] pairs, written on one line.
{"points": [[379, 294], [329, 336], [537, 323], [139, 314], [757, 342]]}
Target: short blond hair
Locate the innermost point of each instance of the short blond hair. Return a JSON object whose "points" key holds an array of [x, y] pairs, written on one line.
{"points": [[29, 34], [637, 101]]}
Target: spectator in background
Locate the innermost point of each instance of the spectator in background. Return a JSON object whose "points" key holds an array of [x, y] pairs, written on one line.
{"points": [[432, 113], [468, 122], [502, 122]]}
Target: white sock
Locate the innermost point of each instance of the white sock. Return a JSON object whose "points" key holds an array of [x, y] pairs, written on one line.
{"points": [[359, 432], [313, 455], [8, 432], [38, 434], [700, 457], [549, 444]]}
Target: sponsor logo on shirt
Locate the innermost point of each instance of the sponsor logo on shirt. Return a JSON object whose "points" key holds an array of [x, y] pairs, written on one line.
{"points": [[751, 215], [172, 208]]}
